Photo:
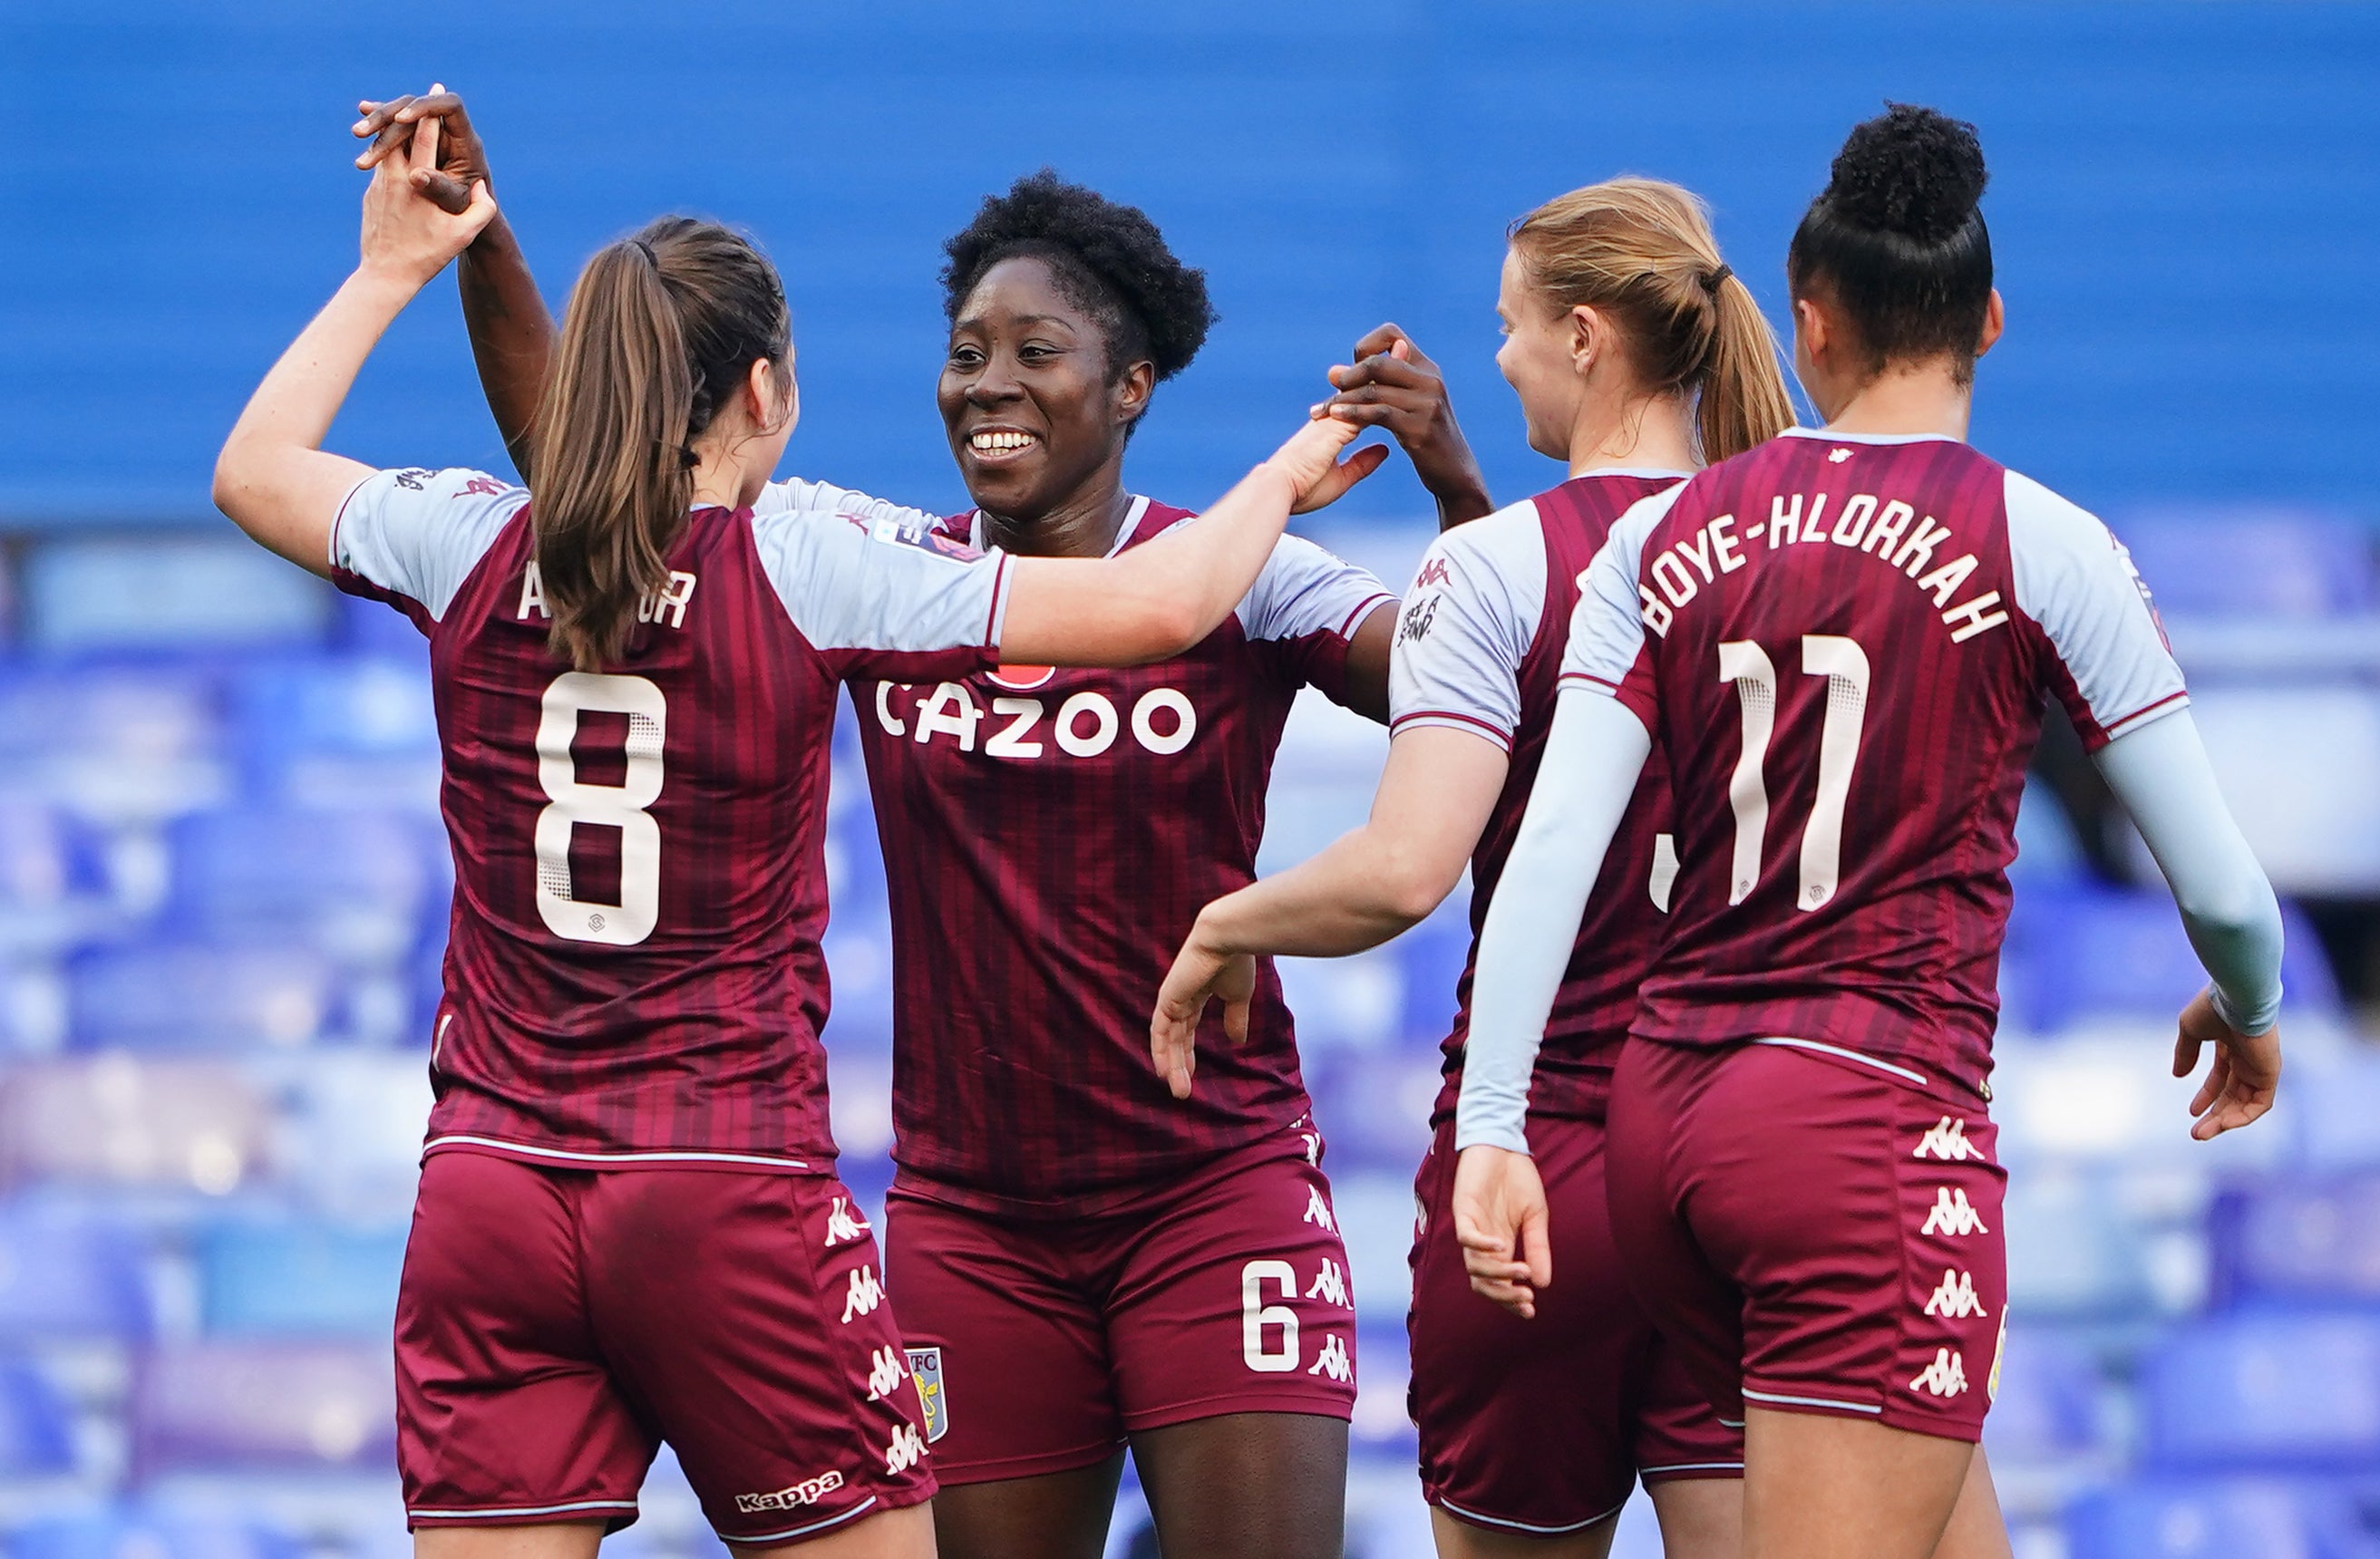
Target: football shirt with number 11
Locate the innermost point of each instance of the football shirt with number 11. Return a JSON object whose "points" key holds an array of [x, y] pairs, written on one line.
{"points": [[1842, 644]]}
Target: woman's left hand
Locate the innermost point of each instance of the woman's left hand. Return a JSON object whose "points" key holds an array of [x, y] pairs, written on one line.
{"points": [[406, 235], [1200, 974]]}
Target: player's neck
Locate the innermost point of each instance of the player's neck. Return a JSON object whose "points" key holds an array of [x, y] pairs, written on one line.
{"points": [[1925, 399], [1083, 525], [1657, 435]]}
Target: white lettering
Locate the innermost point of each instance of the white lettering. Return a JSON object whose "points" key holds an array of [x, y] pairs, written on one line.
{"points": [[1972, 618], [532, 594], [1185, 720], [1918, 550], [1782, 520], [1009, 741], [1698, 554], [1723, 544], [1676, 583], [1852, 522], [1814, 528], [1887, 528], [671, 597], [1945, 581], [1103, 725], [884, 715], [960, 722], [1657, 617]]}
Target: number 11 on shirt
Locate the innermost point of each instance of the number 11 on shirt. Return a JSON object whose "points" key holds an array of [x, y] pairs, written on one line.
{"points": [[1844, 665]]}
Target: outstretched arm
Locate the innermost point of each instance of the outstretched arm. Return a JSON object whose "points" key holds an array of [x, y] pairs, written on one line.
{"points": [[2160, 773], [512, 333], [1435, 795], [273, 477], [1156, 601]]}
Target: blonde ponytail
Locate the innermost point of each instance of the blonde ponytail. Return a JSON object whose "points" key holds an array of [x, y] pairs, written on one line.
{"points": [[1641, 251]]}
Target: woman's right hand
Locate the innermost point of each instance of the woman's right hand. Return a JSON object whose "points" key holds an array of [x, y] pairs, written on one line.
{"points": [[406, 236], [1310, 460], [1392, 385]]}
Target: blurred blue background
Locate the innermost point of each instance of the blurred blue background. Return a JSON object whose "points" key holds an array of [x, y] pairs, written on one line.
{"points": [[221, 882]]}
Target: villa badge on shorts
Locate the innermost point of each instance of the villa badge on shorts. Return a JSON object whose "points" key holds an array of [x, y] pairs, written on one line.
{"points": [[926, 1368]]}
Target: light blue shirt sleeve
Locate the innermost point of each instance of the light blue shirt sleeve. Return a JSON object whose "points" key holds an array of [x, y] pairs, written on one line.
{"points": [[2159, 772], [1594, 755]]}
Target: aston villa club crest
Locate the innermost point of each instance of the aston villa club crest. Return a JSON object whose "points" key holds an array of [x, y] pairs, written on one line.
{"points": [[926, 1368]]}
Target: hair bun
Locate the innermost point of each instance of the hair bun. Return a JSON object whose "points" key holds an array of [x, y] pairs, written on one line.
{"points": [[1910, 170]]}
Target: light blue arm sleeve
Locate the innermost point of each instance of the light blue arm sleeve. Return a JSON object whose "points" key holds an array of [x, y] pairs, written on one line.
{"points": [[1594, 755], [2160, 773]]}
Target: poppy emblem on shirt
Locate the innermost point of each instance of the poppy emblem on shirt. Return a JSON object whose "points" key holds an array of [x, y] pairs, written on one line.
{"points": [[1023, 679], [926, 1368]]}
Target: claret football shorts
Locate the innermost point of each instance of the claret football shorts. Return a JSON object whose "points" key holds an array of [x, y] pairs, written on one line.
{"points": [[1543, 1427], [1816, 1234], [1043, 1344], [555, 1326]]}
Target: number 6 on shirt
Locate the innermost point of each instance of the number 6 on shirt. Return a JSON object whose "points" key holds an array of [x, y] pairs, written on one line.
{"points": [[1844, 665], [620, 806]]}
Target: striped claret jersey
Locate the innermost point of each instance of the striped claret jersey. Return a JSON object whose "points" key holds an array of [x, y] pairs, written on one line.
{"points": [[633, 975], [1049, 836], [1842, 644], [1479, 649]]}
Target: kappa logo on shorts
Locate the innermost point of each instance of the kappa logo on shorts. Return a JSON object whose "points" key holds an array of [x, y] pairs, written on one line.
{"points": [[906, 1450], [1954, 1214], [1319, 1211], [810, 1490], [843, 1224], [1334, 1362], [926, 1368], [1948, 1141], [885, 1372], [1330, 1285], [866, 1293], [1955, 1299], [1946, 1376]]}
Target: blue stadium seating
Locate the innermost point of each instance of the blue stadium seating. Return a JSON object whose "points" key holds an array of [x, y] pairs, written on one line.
{"points": [[170, 995], [2199, 1519], [114, 1535], [2088, 952], [36, 1424], [2275, 1390], [2300, 1242], [350, 884], [2244, 562], [237, 1407], [67, 1277], [288, 1278], [2051, 1404]]}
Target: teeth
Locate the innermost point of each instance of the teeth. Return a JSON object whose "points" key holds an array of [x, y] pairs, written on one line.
{"points": [[999, 442]]}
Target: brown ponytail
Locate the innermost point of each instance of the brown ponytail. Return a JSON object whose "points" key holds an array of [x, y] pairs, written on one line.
{"points": [[662, 329], [1641, 251]]}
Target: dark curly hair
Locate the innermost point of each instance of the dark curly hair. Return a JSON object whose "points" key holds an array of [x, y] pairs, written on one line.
{"points": [[1897, 238], [1109, 259]]}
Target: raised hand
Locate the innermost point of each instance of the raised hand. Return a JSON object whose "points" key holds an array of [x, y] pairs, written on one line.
{"points": [[1200, 974], [1500, 1219], [406, 235], [2243, 1079], [1310, 459], [462, 159], [1392, 385]]}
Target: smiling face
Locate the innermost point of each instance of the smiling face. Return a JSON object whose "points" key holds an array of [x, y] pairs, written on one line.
{"points": [[1539, 359], [1033, 413]]}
